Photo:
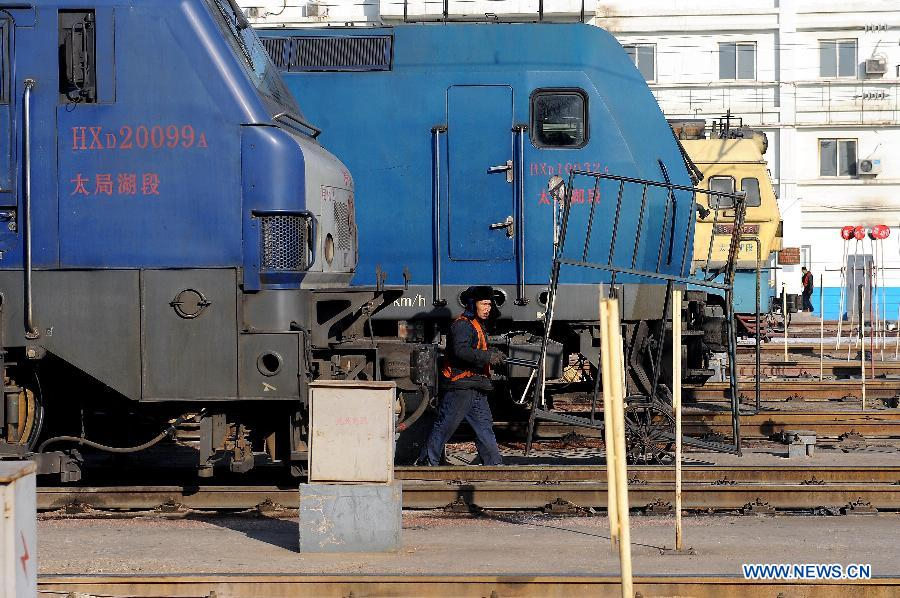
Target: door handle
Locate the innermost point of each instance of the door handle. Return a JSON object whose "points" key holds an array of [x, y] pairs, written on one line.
{"points": [[509, 224], [507, 168]]}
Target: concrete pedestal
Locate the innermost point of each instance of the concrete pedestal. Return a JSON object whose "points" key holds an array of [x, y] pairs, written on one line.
{"points": [[350, 517]]}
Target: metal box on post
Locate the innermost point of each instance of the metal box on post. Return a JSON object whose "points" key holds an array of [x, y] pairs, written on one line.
{"points": [[18, 530], [351, 431]]}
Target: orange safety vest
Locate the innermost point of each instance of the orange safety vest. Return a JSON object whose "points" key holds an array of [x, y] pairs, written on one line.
{"points": [[447, 370]]}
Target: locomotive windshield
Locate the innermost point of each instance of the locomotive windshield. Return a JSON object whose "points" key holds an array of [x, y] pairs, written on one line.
{"points": [[249, 48]]}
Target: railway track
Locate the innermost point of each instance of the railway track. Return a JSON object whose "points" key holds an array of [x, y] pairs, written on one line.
{"points": [[826, 424], [510, 586], [565, 489], [809, 368], [827, 390], [810, 348]]}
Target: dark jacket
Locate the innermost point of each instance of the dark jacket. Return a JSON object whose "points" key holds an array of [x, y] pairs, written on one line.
{"points": [[461, 350], [807, 281]]}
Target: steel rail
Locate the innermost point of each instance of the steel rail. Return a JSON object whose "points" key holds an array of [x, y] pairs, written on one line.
{"points": [[461, 586], [794, 389], [639, 474], [764, 424], [808, 368], [433, 494]]}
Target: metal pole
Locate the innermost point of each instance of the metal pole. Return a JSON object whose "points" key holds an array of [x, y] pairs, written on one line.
{"points": [[676, 406], [883, 322], [821, 327], [873, 326], [853, 285], [784, 314], [862, 351]]}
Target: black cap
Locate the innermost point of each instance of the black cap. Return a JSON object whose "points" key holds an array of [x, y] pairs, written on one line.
{"points": [[477, 293]]}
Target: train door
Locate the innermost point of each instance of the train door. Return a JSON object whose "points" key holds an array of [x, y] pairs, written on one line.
{"points": [[8, 202], [480, 162]]}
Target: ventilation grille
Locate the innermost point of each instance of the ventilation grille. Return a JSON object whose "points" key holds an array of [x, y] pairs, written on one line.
{"points": [[342, 224], [284, 243], [357, 53]]}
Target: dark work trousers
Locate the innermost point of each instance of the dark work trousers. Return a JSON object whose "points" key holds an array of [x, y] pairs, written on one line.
{"points": [[457, 405], [807, 304]]}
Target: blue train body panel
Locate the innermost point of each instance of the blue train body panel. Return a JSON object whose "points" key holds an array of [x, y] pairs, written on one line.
{"points": [[170, 161], [478, 81]]}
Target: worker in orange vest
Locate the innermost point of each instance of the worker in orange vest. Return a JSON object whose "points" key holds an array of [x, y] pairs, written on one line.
{"points": [[466, 381]]}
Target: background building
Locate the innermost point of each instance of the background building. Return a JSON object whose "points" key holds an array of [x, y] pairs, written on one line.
{"points": [[822, 79]]}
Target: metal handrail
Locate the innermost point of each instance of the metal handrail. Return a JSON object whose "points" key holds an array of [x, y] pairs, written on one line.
{"points": [[315, 131], [436, 296], [445, 13], [30, 329], [671, 279], [520, 214]]}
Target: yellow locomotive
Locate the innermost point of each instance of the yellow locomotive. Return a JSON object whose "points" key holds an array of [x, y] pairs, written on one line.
{"points": [[731, 159]]}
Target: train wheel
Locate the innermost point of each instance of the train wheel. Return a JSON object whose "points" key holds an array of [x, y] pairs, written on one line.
{"points": [[648, 435], [24, 407]]}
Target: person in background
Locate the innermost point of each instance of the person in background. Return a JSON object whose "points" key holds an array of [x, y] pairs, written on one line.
{"points": [[466, 381], [807, 282]]}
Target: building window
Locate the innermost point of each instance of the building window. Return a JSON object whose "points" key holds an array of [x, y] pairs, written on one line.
{"points": [[806, 256], [644, 58], [837, 157], [837, 58], [737, 60], [559, 118]]}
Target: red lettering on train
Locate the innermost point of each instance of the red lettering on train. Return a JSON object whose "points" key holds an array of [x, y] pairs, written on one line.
{"points": [[172, 136], [150, 184], [127, 184], [103, 184], [80, 189]]}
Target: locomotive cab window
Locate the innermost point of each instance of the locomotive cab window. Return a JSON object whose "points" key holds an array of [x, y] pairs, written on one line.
{"points": [[722, 184], [750, 186], [77, 57], [559, 118]]}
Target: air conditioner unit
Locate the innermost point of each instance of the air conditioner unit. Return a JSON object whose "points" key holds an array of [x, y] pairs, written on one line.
{"points": [[314, 9], [876, 66], [868, 166]]}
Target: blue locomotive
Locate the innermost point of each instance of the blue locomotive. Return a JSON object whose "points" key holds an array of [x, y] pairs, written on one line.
{"points": [[174, 238], [457, 135]]}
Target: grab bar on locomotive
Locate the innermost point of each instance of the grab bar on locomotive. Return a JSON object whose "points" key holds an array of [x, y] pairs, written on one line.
{"points": [[436, 296], [314, 131], [520, 214], [30, 330]]}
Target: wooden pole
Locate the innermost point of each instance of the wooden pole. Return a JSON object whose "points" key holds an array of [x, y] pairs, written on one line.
{"points": [[821, 328], [897, 341], [676, 406], [612, 344], [606, 376]]}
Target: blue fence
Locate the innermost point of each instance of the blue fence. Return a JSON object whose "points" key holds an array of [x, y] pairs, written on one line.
{"points": [[891, 302]]}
